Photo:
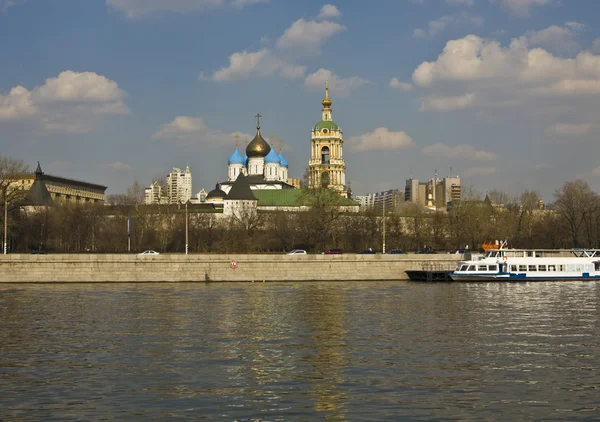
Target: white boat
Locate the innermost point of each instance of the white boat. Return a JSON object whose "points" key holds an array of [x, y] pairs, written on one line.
{"points": [[531, 265]]}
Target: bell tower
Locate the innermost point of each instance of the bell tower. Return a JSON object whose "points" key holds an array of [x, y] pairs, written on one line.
{"points": [[326, 167]]}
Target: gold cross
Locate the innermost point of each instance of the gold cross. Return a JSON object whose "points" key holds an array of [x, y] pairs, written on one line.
{"points": [[237, 138], [258, 116], [280, 144]]}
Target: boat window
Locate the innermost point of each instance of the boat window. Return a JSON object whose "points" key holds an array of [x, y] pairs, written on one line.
{"points": [[513, 268], [529, 253], [561, 268], [493, 268], [522, 267], [472, 268], [551, 267], [464, 268], [542, 267], [482, 267], [597, 265], [533, 268]]}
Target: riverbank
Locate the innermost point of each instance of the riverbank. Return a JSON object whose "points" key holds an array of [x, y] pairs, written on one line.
{"points": [[175, 268]]}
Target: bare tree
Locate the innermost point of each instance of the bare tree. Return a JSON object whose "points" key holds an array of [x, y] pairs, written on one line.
{"points": [[575, 201]]}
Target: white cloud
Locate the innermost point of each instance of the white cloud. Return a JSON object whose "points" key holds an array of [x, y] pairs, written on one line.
{"points": [[342, 87], [569, 129], [261, 63], [480, 171], [71, 102], [521, 8], [186, 131], [402, 86], [596, 46], [556, 38], [381, 139], [329, 11], [595, 172], [308, 35], [438, 25], [515, 72], [117, 165], [465, 152], [461, 2], [459, 102], [134, 9]]}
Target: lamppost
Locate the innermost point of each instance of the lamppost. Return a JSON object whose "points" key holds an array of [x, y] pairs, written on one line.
{"points": [[186, 228], [383, 224], [5, 219]]}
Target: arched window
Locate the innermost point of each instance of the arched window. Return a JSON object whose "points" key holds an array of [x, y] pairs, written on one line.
{"points": [[325, 155]]}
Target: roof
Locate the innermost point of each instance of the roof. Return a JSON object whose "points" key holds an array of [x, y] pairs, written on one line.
{"points": [[217, 192], [240, 190], [259, 179], [327, 124], [298, 197], [38, 193], [258, 147]]}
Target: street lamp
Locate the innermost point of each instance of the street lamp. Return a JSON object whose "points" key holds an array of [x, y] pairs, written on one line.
{"points": [[383, 225], [186, 228], [5, 219]]}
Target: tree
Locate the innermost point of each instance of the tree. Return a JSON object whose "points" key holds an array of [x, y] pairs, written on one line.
{"points": [[12, 195], [575, 202]]}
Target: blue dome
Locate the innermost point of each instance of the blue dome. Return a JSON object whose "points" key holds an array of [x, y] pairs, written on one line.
{"points": [[272, 157], [236, 158], [245, 160], [283, 161]]}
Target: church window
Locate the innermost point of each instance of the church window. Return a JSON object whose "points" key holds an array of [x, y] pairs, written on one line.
{"points": [[325, 155], [325, 131]]}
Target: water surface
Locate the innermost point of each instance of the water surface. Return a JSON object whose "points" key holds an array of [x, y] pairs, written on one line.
{"points": [[361, 351]]}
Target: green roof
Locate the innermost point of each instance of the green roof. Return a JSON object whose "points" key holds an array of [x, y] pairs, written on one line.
{"points": [[326, 124], [296, 197]]}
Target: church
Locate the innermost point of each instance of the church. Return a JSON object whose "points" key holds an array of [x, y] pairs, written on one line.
{"points": [[263, 167], [266, 169]]}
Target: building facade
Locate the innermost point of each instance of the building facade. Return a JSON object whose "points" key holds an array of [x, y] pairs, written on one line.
{"points": [[434, 194], [179, 186], [62, 189], [326, 167]]}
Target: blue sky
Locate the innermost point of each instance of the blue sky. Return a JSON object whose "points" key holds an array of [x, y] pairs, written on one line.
{"points": [[503, 93]]}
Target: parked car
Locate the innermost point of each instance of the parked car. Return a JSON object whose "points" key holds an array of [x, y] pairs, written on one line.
{"points": [[396, 251], [367, 252], [296, 252], [334, 251], [459, 251], [149, 253], [427, 251]]}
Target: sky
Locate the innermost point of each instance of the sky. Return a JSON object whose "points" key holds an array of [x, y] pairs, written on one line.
{"points": [[504, 94]]}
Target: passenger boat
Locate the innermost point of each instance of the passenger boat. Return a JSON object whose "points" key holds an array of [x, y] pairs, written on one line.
{"points": [[531, 265]]}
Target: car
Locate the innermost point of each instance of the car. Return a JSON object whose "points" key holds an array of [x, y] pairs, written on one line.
{"points": [[296, 252], [459, 251], [367, 252], [426, 251], [149, 252], [334, 251], [396, 251]]}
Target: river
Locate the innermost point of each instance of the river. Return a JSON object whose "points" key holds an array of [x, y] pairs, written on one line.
{"points": [[359, 351]]}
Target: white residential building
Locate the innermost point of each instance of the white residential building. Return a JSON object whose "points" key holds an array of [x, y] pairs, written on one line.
{"points": [[179, 186], [153, 194]]}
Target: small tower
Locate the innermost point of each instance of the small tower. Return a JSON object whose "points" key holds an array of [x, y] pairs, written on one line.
{"points": [[283, 164], [326, 167], [235, 162], [272, 165]]}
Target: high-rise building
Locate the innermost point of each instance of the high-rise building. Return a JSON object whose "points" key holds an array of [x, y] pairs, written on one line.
{"points": [[326, 167], [153, 194], [179, 185], [433, 194]]}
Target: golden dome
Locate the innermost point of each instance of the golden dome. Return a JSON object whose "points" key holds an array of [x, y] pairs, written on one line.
{"points": [[258, 147], [326, 101]]}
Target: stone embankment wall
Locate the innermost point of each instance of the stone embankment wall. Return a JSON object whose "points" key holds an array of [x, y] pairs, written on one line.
{"points": [[59, 268]]}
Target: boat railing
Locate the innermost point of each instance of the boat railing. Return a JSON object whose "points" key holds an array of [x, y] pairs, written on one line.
{"points": [[438, 267]]}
